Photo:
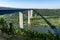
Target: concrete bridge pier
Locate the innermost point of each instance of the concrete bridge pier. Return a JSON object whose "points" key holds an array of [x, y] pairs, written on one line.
{"points": [[30, 12], [21, 20]]}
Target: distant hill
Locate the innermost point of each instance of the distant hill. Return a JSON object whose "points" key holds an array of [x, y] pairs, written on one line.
{"points": [[49, 12], [45, 12], [8, 8]]}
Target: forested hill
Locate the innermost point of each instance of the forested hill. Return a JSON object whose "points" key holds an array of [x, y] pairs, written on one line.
{"points": [[49, 12], [46, 12]]}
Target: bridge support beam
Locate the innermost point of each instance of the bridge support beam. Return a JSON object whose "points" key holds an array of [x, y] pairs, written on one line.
{"points": [[30, 12], [21, 20]]}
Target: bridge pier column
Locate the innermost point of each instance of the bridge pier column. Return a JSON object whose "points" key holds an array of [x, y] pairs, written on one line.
{"points": [[21, 20], [30, 12]]}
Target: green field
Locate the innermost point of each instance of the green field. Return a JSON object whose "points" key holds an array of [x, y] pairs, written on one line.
{"points": [[38, 21]]}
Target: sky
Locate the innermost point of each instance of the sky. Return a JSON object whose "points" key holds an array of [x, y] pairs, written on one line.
{"points": [[40, 4]]}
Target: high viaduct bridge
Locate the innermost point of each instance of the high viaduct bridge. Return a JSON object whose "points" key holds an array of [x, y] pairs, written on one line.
{"points": [[5, 10]]}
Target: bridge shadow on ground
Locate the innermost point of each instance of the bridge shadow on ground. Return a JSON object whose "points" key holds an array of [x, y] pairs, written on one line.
{"points": [[56, 31]]}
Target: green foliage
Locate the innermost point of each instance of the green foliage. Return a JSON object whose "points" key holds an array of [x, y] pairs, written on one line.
{"points": [[33, 35], [27, 34], [4, 27]]}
